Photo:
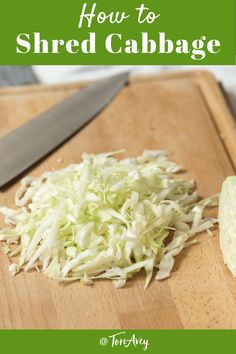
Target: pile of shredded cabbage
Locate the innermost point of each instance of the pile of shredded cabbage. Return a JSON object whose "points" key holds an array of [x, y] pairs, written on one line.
{"points": [[104, 218]]}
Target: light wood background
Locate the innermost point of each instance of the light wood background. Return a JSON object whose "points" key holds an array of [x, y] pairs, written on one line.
{"points": [[185, 114]]}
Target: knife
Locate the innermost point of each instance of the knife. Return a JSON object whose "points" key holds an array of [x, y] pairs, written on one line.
{"points": [[26, 145]]}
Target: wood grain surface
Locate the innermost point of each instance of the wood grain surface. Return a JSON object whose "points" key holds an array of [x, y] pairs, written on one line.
{"points": [[185, 114]]}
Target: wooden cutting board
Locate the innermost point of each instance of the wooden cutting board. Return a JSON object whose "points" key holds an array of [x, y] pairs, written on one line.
{"points": [[186, 114]]}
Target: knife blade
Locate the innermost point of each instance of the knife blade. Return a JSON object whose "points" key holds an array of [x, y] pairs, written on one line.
{"points": [[27, 144]]}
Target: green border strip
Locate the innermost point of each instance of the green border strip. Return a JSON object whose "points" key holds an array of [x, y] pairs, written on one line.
{"points": [[100, 341]]}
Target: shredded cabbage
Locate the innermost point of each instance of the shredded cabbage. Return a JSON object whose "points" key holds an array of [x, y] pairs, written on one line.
{"points": [[105, 218]]}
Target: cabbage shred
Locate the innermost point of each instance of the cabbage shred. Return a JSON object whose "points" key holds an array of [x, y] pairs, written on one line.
{"points": [[104, 218]]}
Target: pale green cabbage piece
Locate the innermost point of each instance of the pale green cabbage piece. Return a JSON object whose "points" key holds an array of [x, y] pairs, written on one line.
{"points": [[105, 218], [227, 222]]}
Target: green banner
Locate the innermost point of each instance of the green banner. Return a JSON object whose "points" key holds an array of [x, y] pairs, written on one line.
{"points": [[118, 32], [117, 341]]}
